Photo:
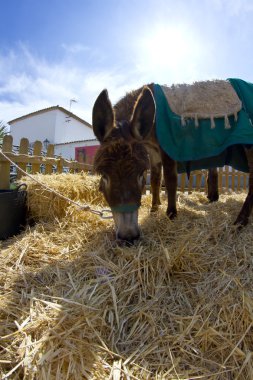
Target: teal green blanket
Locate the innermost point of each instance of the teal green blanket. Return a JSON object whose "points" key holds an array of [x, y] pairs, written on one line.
{"points": [[203, 147]]}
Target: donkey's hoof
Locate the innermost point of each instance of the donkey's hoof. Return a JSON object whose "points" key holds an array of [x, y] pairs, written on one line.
{"points": [[154, 208], [214, 197], [172, 213], [241, 222]]}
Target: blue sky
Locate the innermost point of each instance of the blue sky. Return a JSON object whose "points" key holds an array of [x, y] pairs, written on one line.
{"points": [[52, 51]]}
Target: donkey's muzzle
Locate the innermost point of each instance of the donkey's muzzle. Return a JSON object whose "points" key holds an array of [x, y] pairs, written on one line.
{"points": [[126, 223]]}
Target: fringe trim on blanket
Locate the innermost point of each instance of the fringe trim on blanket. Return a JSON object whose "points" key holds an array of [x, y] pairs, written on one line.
{"points": [[204, 100]]}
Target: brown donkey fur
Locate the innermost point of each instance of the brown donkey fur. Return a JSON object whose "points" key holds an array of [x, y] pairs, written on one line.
{"points": [[128, 148], [123, 111]]}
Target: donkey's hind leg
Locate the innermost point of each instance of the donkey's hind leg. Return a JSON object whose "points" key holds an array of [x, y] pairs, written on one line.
{"points": [[244, 214], [212, 185]]}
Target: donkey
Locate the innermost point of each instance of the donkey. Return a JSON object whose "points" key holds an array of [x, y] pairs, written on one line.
{"points": [[128, 148]]}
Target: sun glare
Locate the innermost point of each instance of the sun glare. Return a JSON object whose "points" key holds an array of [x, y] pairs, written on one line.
{"points": [[165, 44], [171, 48]]}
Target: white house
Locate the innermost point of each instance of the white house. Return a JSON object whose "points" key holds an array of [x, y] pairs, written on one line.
{"points": [[54, 125]]}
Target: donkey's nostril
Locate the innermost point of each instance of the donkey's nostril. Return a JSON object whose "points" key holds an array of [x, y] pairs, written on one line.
{"points": [[127, 239]]}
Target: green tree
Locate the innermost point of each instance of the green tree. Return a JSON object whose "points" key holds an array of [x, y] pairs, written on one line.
{"points": [[3, 131]]}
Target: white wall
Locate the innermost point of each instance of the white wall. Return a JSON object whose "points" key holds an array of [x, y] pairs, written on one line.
{"points": [[73, 130], [37, 127], [68, 150], [51, 125]]}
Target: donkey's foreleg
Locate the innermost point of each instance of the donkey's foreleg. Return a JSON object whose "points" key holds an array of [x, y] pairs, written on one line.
{"points": [[155, 182], [244, 214], [212, 185], [170, 179]]}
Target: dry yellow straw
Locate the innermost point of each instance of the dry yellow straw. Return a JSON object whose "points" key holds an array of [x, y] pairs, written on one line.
{"points": [[178, 305]]}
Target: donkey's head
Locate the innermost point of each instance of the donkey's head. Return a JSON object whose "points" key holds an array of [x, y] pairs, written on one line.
{"points": [[122, 159]]}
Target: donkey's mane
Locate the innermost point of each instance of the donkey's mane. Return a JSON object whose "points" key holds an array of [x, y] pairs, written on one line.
{"points": [[124, 107]]}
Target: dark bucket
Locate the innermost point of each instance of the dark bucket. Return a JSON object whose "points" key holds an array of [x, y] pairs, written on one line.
{"points": [[13, 211]]}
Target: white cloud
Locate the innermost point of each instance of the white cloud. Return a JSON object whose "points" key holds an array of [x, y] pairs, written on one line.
{"points": [[233, 7], [29, 83]]}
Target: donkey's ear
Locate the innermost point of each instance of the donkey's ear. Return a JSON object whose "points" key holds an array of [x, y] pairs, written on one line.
{"points": [[143, 115], [102, 116]]}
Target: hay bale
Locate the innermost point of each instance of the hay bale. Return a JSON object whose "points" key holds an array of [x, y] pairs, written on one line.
{"points": [[179, 305], [45, 205]]}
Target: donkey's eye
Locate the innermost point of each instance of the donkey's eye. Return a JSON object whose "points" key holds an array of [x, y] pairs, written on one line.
{"points": [[105, 180], [140, 180], [104, 183]]}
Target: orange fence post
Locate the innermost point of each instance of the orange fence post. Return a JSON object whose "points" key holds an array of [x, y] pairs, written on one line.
{"points": [[37, 152], [23, 150], [4, 164], [50, 154]]}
